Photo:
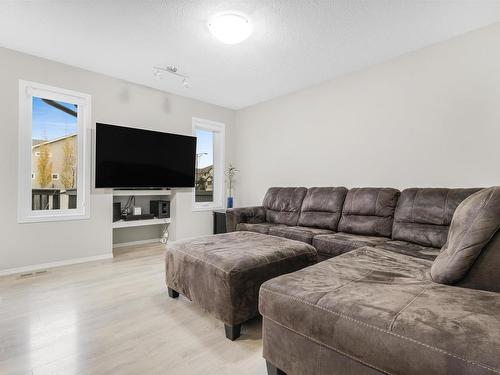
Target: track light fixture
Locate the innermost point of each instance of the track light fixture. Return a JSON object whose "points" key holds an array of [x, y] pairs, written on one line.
{"points": [[160, 71]]}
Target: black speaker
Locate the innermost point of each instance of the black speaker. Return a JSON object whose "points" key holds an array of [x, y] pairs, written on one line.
{"points": [[117, 211], [161, 209]]}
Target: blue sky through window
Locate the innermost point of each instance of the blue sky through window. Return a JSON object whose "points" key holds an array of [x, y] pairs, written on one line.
{"points": [[204, 148], [49, 122]]}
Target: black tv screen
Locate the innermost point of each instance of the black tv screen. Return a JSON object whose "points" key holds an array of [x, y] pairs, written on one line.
{"points": [[136, 158]]}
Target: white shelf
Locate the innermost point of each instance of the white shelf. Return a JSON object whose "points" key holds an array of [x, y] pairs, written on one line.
{"points": [[140, 223], [122, 193]]}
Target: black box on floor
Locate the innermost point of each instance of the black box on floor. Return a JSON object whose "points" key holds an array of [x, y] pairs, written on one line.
{"points": [[161, 209], [219, 221]]}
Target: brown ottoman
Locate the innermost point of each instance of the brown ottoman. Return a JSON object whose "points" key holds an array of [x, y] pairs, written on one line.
{"points": [[223, 273]]}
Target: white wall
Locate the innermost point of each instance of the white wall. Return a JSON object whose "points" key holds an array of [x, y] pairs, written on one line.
{"points": [[113, 101], [427, 118]]}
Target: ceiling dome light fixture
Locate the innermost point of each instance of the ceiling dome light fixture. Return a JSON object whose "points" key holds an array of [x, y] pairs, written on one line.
{"points": [[230, 27]]}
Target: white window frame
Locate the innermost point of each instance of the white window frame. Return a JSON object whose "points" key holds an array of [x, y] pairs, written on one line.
{"points": [[55, 176], [219, 130], [28, 90]]}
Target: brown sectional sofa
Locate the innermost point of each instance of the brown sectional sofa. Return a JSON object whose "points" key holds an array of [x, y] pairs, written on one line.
{"points": [[397, 292], [336, 220]]}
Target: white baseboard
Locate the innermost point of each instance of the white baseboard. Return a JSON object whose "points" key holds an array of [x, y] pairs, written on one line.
{"points": [[132, 243], [35, 267]]}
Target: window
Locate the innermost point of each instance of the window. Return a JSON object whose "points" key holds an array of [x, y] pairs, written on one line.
{"points": [[209, 176], [55, 150]]}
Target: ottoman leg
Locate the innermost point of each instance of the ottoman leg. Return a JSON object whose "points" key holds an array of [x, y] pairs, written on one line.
{"points": [[172, 293], [272, 370], [232, 332]]}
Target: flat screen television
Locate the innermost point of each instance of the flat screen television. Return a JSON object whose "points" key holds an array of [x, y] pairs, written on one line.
{"points": [[135, 158]]}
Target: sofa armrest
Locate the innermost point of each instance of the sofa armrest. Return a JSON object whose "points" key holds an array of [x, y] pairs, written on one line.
{"points": [[234, 216]]}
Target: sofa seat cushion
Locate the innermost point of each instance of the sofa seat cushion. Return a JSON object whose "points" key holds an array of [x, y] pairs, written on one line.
{"points": [[382, 309], [411, 249], [257, 227], [330, 245], [303, 234]]}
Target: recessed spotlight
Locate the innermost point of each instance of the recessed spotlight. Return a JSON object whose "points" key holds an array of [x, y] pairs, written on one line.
{"points": [[230, 27]]}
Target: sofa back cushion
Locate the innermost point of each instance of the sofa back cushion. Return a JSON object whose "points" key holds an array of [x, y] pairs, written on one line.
{"points": [[475, 222], [423, 215], [283, 204], [322, 207], [369, 211]]}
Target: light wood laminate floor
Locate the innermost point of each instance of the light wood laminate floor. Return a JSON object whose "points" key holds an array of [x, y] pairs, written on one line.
{"points": [[114, 317]]}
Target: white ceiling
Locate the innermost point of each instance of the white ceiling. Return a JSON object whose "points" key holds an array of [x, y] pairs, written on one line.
{"points": [[296, 43]]}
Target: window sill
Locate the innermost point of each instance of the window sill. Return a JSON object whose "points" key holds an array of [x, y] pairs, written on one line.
{"points": [[53, 217], [206, 208]]}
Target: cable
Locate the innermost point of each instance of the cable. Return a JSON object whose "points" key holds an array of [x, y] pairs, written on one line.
{"points": [[164, 234], [127, 205]]}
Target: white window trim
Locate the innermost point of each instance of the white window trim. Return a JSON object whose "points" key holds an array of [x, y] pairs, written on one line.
{"points": [[219, 130], [27, 90]]}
